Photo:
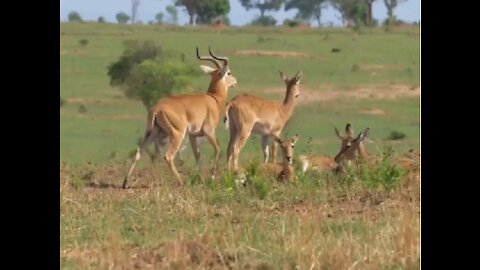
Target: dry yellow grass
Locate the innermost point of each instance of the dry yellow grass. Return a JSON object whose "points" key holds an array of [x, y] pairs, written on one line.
{"points": [[316, 223]]}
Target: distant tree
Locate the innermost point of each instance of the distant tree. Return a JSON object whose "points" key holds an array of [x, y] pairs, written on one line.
{"points": [[190, 6], [391, 5], [369, 18], [135, 5], [344, 7], [307, 9], [122, 17], [264, 21], [101, 19], [351, 10], [172, 10], [208, 10], [74, 17], [159, 17], [262, 5]]}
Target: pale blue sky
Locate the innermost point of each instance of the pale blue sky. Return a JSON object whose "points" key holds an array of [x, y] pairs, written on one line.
{"points": [[92, 9]]}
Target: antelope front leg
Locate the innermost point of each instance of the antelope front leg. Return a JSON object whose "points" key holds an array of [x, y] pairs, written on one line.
{"points": [[265, 147], [274, 147]]}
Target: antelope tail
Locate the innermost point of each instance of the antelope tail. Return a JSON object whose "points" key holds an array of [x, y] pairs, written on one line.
{"points": [[225, 118]]}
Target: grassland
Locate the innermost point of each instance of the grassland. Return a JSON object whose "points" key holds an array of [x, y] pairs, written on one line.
{"points": [[320, 222]]}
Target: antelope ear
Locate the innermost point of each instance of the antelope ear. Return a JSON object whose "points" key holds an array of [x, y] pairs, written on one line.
{"points": [[295, 139], [298, 76], [207, 69], [338, 134], [283, 77], [277, 139], [349, 130]]}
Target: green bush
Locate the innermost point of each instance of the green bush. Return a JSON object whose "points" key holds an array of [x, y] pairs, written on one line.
{"points": [[291, 23], [385, 175], [74, 17], [264, 21], [146, 72], [396, 135], [83, 42]]}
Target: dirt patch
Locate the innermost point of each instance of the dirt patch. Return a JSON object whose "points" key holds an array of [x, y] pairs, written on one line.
{"points": [[281, 54], [373, 111], [327, 93], [371, 66]]}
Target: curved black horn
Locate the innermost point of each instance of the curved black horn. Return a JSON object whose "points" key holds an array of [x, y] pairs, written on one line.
{"points": [[208, 59], [224, 59]]}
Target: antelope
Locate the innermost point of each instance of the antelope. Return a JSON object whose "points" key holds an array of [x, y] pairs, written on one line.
{"points": [[283, 170], [409, 161], [245, 114], [197, 115], [346, 154]]}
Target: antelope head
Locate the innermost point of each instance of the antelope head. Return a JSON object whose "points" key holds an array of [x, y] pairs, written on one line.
{"points": [[350, 148], [293, 84], [287, 147], [222, 70]]}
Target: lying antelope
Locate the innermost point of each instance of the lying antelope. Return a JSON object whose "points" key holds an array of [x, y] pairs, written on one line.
{"points": [[347, 139], [346, 154], [194, 114], [245, 114], [283, 170]]}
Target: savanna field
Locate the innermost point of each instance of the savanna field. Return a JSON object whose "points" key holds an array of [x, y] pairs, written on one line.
{"points": [[365, 218]]}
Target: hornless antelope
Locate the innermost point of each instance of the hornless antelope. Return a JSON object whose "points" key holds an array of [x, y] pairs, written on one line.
{"points": [[245, 114], [194, 114], [347, 139], [346, 154], [283, 170]]}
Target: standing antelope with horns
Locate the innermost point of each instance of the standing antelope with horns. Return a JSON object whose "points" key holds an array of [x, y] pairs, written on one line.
{"points": [[245, 114], [195, 115]]}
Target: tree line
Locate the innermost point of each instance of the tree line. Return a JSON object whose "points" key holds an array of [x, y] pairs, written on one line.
{"points": [[351, 12]]}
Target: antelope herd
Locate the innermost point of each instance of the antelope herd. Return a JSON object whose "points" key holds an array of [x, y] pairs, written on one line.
{"points": [[197, 116]]}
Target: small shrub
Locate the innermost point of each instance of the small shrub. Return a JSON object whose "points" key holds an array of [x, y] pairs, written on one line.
{"points": [[261, 187], [83, 42], [82, 108], [62, 102], [355, 68], [101, 19], [112, 155], [396, 135], [385, 175], [264, 21], [262, 39], [291, 23]]}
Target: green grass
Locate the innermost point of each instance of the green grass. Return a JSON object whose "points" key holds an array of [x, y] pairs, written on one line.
{"points": [[113, 123]]}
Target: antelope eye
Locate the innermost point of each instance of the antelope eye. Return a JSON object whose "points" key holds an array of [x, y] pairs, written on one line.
{"points": [[293, 145], [229, 73]]}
